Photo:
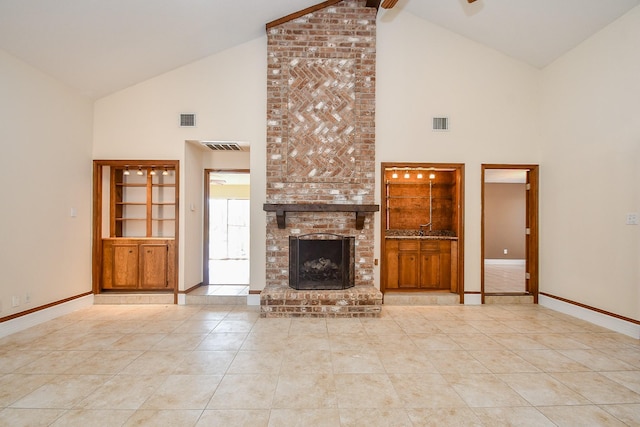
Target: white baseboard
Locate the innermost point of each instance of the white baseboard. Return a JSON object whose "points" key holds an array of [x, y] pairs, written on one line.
{"points": [[182, 299], [28, 320], [617, 325], [253, 299], [472, 299], [505, 262]]}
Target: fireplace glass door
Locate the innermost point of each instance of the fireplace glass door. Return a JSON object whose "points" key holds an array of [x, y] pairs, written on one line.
{"points": [[321, 261]]}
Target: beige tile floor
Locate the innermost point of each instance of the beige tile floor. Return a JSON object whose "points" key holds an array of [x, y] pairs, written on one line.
{"points": [[166, 365], [499, 278], [222, 290]]}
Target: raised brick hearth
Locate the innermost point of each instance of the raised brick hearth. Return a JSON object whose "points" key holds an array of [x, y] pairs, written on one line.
{"points": [[321, 149], [283, 301]]}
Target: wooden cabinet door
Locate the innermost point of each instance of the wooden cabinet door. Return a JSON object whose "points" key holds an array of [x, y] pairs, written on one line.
{"points": [[454, 266], [408, 269], [429, 270], [430, 264], [445, 265], [153, 266], [124, 269], [391, 266], [408, 264]]}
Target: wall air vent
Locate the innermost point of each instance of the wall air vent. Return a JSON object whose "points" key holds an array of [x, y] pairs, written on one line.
{"points": [[187, 120], [441, 124], [222, 145]]}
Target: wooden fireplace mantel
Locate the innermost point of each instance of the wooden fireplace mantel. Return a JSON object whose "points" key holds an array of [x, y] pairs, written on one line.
{"points": [[282, 209]]}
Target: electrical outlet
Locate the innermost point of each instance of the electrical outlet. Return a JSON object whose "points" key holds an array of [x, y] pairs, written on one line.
{"points": [[0, 306], [15, 301], [632, 218], [27, 298], [506, 251]]}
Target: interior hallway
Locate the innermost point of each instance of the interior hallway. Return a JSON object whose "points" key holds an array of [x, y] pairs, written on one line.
{"points": [[151, 365]]}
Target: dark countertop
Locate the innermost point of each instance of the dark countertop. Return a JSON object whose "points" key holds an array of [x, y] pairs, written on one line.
{"points": [[426, 234]]}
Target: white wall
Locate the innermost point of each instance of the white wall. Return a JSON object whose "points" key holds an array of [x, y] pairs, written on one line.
{"points": [[45, 169], [227, 92], [193, 219], [492, 102], [590, 178]]}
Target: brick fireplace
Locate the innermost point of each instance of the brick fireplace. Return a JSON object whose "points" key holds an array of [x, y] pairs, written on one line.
{"points": [[321, 151]]}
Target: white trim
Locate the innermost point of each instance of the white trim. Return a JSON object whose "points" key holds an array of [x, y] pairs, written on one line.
{"points": [[182, 299], [253, 299], [472, 299], [505, 262], [23, 322], [618, 325]]}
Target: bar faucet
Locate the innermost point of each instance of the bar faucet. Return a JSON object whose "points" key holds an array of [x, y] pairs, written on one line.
{"points": [[430, 223], [421, 232]]}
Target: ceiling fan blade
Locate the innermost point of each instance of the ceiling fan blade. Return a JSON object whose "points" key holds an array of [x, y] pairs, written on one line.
{"points": [[388, 4]]}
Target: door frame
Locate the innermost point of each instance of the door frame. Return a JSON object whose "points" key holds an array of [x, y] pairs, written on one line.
{"points": [[532, 227], [206, 226], [459, 173]]}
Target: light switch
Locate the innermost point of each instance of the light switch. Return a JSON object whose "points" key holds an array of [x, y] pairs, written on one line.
{"points": [[73, 212]]}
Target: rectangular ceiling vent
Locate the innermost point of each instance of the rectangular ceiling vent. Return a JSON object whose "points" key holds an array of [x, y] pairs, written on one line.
{"points": [[223, 146], [441, 124], [187, 120]]}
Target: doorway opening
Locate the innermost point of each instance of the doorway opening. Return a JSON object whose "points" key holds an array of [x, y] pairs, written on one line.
{"points": [[509, 231], [226, 229]]}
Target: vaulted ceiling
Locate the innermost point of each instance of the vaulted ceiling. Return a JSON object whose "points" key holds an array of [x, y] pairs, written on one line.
{"points": [[100, 46]]}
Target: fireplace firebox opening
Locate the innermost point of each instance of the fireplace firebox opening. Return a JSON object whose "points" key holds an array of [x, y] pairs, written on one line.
{"points": [[321, 261]]}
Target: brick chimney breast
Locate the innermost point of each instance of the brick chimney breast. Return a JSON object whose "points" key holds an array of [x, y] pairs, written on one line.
{"points": [[321, 128]]}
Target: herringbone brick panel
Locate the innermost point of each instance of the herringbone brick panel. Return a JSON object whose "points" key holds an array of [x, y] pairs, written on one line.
{"points": [[321, 102]]}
